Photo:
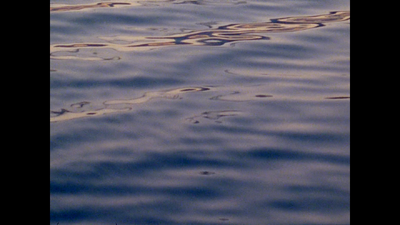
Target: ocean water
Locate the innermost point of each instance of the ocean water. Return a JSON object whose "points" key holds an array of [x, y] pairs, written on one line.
{"points": [[199, 112]]}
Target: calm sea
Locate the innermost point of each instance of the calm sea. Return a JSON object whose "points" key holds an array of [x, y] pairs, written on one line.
{"points": [[199, 112]]}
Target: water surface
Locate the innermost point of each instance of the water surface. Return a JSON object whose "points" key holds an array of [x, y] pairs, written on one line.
{"points": [[199, 112]]}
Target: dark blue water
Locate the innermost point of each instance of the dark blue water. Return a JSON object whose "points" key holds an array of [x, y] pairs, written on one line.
{"points": [[199, 112]]}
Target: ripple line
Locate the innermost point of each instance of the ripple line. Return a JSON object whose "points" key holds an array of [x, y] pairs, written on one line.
{"points": [[211, 37], [65, 8], [118, 106]]}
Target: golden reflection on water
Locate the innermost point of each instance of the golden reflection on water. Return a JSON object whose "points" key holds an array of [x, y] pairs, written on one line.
{"points": [[211, 37]]}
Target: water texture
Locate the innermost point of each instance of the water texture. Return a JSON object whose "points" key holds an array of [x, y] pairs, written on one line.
{"points": [[199, 112]]}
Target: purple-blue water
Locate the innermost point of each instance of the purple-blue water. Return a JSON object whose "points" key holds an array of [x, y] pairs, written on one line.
{"points": [[199, 112]]}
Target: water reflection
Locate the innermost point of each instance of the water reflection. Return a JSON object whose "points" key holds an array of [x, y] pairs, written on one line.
{"points": [[177, 140], [239, 96], [76, 7], [115, 106], [65, 8], [63, 114], [211, 37], [207, 173], [331, 17], [213, 115], [219, 93], [83, 109], [338, 97]]}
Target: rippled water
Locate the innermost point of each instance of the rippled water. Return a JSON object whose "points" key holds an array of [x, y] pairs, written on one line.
{"points": [[199, 112]]}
